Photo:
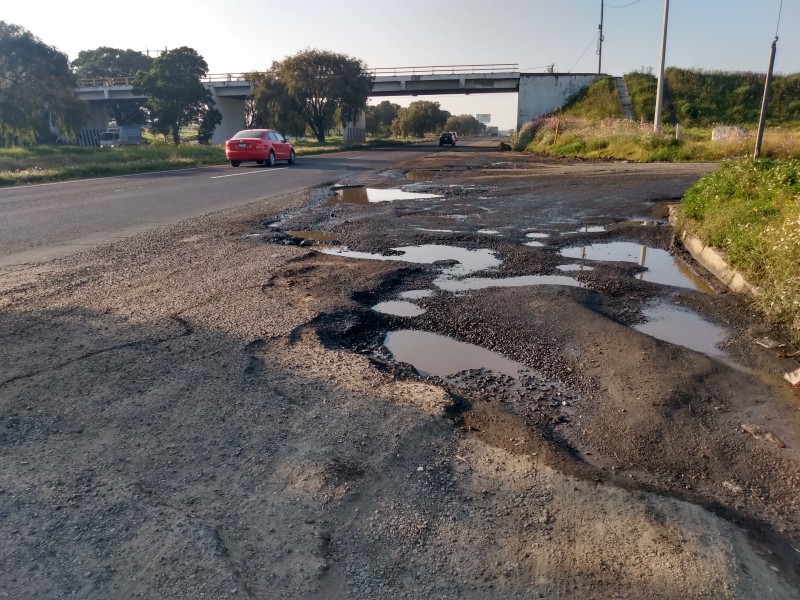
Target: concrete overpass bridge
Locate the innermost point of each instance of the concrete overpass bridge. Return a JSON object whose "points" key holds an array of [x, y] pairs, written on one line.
{"points": [[538, 93]]}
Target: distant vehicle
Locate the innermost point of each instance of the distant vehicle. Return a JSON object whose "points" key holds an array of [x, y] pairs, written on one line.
{"points": [[492, 131], [264, 146], [121, 135], [447, 138], [455, 135]]}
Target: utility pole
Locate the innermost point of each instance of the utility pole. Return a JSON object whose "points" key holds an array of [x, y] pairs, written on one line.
{"points": [[660, 88], [600, 42], [765, 100]]}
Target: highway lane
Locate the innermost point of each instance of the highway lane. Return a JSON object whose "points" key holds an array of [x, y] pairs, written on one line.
{"points": [[46, 221]]}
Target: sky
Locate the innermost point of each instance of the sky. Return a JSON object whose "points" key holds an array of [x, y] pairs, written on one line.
{"points": [[236, 36]]}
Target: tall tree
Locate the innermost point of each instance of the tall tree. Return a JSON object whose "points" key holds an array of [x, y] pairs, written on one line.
{"points": [[37, 89], [175, 95], [464, 125], [419, 118], [322, 85], [379, 117], [110, 62], [271, 106], [114, 63]]}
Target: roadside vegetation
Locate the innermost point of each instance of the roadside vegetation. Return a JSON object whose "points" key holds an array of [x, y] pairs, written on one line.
{"points": [[751, 211]]}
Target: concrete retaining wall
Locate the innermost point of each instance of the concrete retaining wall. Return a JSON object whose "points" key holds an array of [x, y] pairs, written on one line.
{"points": [[542, 93]]}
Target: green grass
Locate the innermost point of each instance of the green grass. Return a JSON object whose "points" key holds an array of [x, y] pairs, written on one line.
{"points": [[751, 211], [39, 164], [598, 101], [625, 140]]}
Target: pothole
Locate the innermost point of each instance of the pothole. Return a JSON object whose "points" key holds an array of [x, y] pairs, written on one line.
{"points": [[399, 308], [434, 354], [366, 196], [662, 267], [683, 327], [478, 283]]}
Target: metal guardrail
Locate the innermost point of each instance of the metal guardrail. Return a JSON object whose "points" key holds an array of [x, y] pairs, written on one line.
{"points": [[444, 69], [377, 72]]}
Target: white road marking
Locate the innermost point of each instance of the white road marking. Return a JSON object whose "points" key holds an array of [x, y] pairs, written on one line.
{"points": [[248, 173]]}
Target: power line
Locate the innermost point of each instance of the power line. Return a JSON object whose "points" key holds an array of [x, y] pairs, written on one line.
{"points": [[780, 10], [584, 52], [623, 5]]}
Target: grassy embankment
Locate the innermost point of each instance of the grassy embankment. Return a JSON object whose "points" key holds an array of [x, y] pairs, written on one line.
{"points": [[748, 209], [38, 164], [751, 211]]}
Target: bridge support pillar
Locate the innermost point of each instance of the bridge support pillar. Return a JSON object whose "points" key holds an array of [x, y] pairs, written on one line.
{"points": [[98, 116], [543, 93], [355, 132], [232, 110]]}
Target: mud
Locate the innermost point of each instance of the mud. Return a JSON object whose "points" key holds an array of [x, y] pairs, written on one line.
{"points": [[210, 410]]}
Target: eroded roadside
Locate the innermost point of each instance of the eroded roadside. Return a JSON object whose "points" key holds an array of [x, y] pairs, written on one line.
{"points": [[213, 410]]}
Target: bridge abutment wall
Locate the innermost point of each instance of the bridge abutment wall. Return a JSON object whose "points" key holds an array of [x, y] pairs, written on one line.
{"points": [[543, 93]]}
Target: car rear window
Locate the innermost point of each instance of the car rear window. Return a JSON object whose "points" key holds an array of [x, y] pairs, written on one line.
{"points": [[249, 133]]}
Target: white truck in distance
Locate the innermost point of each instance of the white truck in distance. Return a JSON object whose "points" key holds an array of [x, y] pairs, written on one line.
{"points": [[121, 135]]}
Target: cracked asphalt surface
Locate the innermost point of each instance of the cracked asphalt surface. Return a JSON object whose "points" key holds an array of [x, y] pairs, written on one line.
{"points": [[208, 409]]}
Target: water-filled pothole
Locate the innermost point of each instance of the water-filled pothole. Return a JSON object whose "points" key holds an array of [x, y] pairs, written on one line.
{"points": [[587, 229], [680, 326], [468, 261], [399, 308], [366, 196], [574, 267], [662, 267], [433, 354], [416, 294], [479, 283]]}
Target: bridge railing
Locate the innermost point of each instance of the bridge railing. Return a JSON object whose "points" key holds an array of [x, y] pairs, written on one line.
{"points": [[377, 72], [445, 69], [109, 81]]}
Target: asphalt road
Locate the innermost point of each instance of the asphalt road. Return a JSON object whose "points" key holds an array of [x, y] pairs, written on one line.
{"points": [[42, 222]]}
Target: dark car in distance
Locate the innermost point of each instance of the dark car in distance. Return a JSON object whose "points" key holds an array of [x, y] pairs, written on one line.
{"points": [[259, 145], [447, 138]]}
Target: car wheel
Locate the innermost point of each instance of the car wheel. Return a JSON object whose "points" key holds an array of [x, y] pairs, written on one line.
{"points": [[292, 158], [271, 159], [440, 144], [235, 163]]}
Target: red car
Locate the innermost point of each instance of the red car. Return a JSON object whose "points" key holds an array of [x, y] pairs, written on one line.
{"points": [[259, 145]]}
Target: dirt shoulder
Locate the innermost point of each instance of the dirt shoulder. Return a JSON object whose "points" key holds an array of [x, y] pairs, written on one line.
{"points": [[209, 411]]}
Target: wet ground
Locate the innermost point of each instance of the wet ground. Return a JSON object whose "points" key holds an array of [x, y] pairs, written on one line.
{"points": [[478, 375]]}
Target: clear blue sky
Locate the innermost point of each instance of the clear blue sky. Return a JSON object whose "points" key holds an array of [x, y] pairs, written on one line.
{"points": [[241, 35]]}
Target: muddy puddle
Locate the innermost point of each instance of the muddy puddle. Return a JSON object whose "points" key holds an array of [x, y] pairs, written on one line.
{"points": [[683, 327], [433, 354], [469, 284], [399, 308], [575, 267], [466, 261], [416, 294], [587, 229], [662, 267], [366, 196]]}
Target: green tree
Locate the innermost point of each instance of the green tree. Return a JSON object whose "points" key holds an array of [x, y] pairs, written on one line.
{"points": [[464, 125], [110, 62], [379, 117], [419, 118], [271, 106], [208, 122], [175, 95], [114, 63], [37, 89], [319, 86]]}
